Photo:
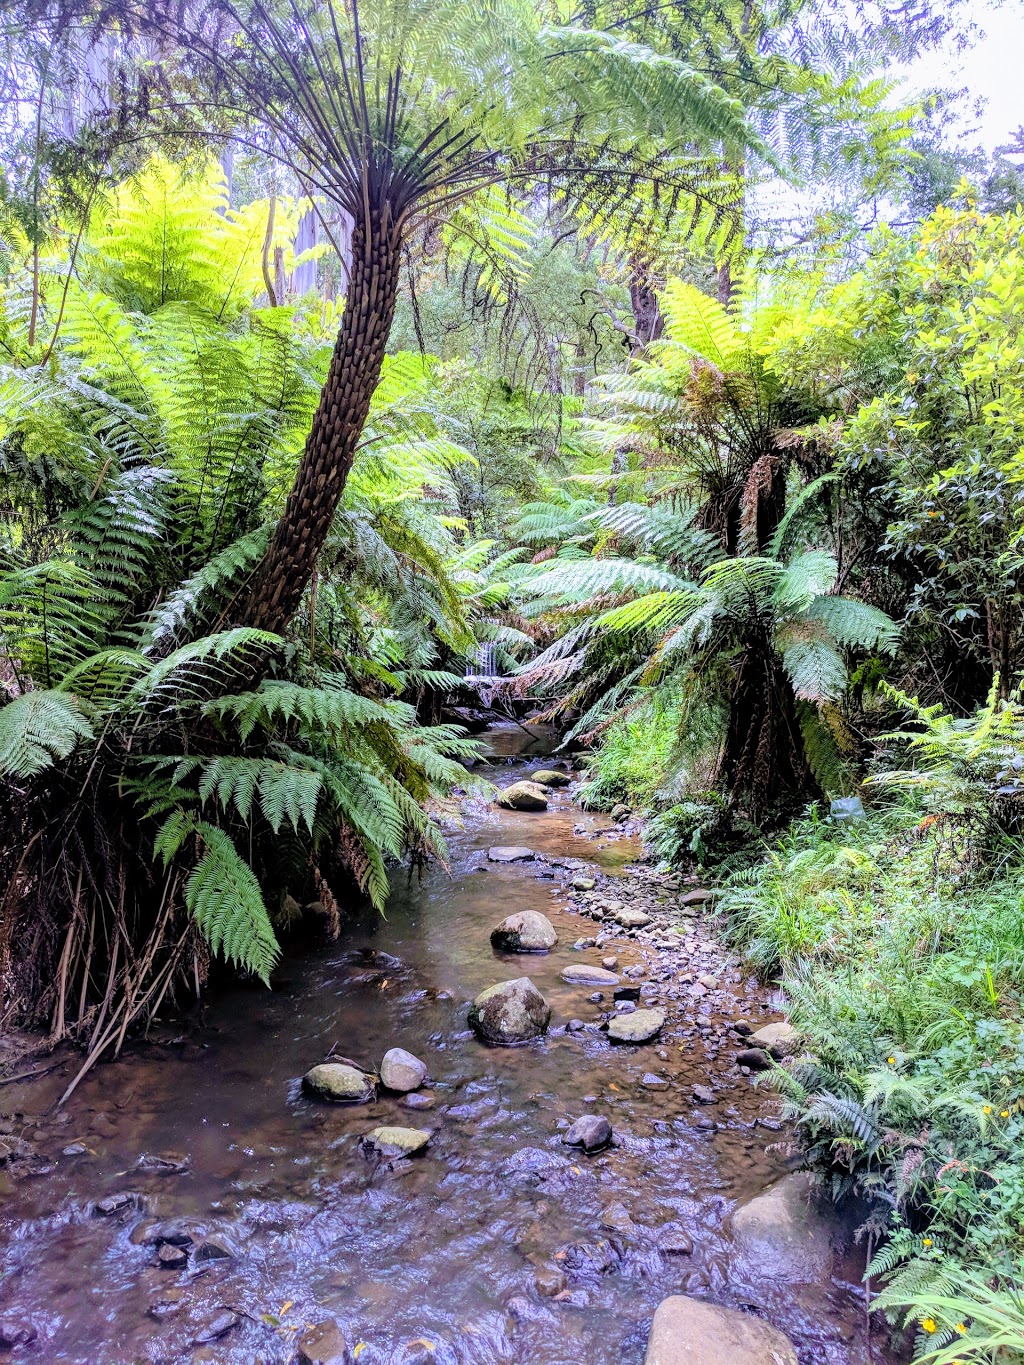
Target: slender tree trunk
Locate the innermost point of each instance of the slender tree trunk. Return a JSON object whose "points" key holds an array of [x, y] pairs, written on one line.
{"points": [[291, 557], [648, 320]]}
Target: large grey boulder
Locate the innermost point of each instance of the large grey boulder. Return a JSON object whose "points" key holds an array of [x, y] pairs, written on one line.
{"points": [[639, 1027], [527, 931], [689, 1331], [786, 1233], [510, 1012], [523, 796], [401, 1071], [339, 1083]]}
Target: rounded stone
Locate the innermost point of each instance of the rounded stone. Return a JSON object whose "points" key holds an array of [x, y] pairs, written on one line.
{"points": [[585, 975], [323, 1344], [550, 777], [630, 918], [592, 1132], [523, 796], [639, 1027], [777, 1038], [401, 1071], [510, 853], [389, 1141], [339, 1083], [689, 1331], [510, 1012], [527, 931]]}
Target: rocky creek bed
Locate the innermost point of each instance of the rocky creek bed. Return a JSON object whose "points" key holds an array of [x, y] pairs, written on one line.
{"points": [[196, 1202]]}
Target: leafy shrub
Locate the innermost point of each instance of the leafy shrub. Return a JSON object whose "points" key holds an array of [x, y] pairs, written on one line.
{"points": [[634, 755], [689, 828]]}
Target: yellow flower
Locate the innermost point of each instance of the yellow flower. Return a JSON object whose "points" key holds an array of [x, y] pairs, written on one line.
{"points": [[986, 1109], [929, 1325], [892, 1061], [961, 1327], [927, 1241], [1004, 1113]]}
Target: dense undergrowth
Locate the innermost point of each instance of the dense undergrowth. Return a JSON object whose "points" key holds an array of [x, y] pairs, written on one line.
{"points": [[897, 939]]}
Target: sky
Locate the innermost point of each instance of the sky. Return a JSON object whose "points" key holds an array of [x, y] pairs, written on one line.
{"points": [[993, 67]]}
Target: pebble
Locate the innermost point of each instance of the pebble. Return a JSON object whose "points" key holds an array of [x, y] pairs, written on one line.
{"points": [[703, 1094], [418, 1100], [171, 1257]]}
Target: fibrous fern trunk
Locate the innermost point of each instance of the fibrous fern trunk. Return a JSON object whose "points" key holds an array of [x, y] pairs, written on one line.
{"points": [[291, 556]]}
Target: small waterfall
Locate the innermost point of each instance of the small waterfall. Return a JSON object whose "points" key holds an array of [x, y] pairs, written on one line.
{"points": [[482, 670], [483, 666]]}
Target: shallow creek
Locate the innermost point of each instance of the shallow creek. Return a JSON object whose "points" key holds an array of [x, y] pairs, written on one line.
{"points": [[433, 1259]]}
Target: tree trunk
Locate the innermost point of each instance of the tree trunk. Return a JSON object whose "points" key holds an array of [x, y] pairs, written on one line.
{"points": [[288, 564], [648, 320]]}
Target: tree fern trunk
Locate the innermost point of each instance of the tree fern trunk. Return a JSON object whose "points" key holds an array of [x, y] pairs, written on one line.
{"points": [[320, 480]]}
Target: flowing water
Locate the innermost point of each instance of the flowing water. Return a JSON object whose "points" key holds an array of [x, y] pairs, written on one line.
{"points": [[434, 1259]]}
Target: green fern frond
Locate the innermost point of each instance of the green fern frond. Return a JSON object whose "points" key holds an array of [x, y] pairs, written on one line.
{"points": [[37, 729]]}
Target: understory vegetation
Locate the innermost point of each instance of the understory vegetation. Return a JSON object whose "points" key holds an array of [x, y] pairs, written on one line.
{"points": [[348, 350]]}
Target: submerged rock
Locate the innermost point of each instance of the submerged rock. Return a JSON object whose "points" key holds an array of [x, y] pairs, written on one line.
{"points": [[510, 1012], [639, 1027], [527, 931], [523, 796], [218, 1327], [339, 1083], [785, 1234], [115, 1203], [550, 777], [389, 1141], [171, 1257], [689, 1331], [592, 1132], [401, 1071], [323, 1344], [510, 853], [14, 1333], [585, 975]]}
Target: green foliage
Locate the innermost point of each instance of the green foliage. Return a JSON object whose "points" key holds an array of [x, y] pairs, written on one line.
{"points": [[634, 754], [898, 940], [132, 716]]}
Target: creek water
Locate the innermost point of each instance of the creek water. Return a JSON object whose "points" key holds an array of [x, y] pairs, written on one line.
{"points": [[433, 1259]]}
